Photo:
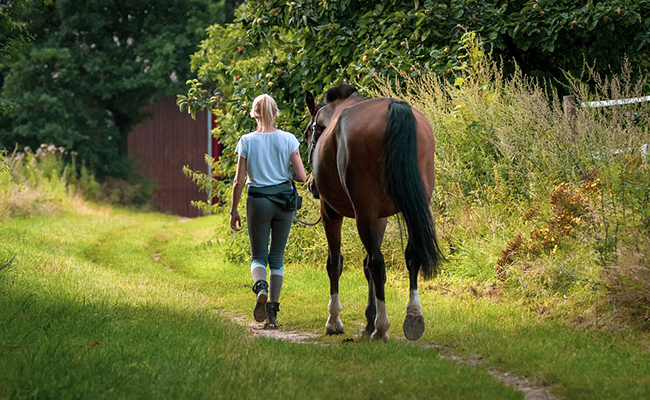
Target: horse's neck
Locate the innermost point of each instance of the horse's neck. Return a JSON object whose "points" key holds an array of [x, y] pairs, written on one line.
{"points": [[343, 104], [354, 99]]}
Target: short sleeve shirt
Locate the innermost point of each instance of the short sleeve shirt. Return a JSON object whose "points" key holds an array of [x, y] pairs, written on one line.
{"points": [[268, 157]]}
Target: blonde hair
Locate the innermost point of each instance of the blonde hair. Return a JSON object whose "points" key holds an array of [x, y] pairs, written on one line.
{"points": [[265, 111]]}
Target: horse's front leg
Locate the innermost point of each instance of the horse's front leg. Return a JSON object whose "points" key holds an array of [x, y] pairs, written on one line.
{"points": [[332, 223], [414, 322]]}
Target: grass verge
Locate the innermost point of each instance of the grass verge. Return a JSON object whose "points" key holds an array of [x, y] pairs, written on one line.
{"points": [[116, 304]]}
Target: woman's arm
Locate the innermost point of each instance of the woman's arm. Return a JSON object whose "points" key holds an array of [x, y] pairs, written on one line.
{"points": [[299, 174], [237, 187]]}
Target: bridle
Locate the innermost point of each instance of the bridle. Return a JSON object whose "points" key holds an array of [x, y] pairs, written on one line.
{"points": [[311, 143], [311, 146]]}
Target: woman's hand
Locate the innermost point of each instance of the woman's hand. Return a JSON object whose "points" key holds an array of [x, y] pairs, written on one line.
{"points": [[235, 221]]}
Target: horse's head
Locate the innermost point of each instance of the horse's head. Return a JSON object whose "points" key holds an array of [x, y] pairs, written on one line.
{"points": [[322, 114], [313, 130]]}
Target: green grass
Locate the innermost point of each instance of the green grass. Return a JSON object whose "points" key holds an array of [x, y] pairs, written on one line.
{"points": [[122, 305], [118, 304]]}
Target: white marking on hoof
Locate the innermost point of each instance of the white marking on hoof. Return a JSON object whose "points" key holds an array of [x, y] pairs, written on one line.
{"points": [[334, 326], [382, 322], [414, 307], [376, 336]]}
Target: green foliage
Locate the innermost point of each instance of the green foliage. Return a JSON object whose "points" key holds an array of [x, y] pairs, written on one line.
{"points": [[285, 48], [504, 146], [567, 201], [13, 29], [82, 82], [13, 34]]}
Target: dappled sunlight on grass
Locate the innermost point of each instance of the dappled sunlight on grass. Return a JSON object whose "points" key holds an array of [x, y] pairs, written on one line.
{"points": [[107, 309]]}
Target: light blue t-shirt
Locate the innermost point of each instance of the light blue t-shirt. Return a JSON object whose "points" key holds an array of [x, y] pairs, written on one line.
{"points": [[267, 157]]}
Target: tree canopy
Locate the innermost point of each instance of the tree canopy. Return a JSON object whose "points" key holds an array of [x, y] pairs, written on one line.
{"points": [[284, 48], [91, 66]]}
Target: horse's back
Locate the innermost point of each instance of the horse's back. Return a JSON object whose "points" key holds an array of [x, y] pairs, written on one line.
{"points": [[361, 129]]}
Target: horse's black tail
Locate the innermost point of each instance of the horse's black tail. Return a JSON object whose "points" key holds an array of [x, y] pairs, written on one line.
{"points": [[404, 185]]}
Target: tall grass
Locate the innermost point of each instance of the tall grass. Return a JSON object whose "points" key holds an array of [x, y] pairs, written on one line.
{"points": [[35, 182], [559, 203], [49, 181]]}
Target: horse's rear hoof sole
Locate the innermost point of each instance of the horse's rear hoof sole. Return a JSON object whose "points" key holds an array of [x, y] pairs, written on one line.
{"points": [[413, 326]]}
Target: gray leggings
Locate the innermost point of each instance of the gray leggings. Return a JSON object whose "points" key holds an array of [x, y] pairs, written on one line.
{"points": [[265, 219]]}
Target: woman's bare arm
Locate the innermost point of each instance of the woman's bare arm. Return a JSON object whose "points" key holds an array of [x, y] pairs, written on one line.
{"points": [[237, 188], [299, 174]]}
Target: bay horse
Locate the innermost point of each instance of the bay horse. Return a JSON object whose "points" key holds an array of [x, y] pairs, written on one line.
{"points": [[372, 159]]}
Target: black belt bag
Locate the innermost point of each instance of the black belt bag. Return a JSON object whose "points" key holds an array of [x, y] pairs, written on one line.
{"points": [[287, 200]]}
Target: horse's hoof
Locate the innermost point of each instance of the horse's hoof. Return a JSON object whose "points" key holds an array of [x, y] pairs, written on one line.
{"points": [[376, 336], [334, 329], [413, 326], [365, 335]]}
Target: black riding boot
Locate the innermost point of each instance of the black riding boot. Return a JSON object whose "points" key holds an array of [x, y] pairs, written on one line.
{"points": [[261, 289], [272, 309]]}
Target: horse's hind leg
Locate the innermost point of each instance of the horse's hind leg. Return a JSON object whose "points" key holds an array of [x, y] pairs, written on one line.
{"points": [[414, 322], [332, 223], [371, 308], [369, 232]]}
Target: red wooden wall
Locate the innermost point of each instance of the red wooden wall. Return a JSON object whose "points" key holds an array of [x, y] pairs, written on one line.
{"points": [[162, 145]]}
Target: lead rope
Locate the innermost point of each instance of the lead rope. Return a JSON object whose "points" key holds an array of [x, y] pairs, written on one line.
{"points": [[295, 215], [306, 223]]}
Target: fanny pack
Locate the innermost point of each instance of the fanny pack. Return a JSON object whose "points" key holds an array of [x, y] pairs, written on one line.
{"points": [[286, 200]]}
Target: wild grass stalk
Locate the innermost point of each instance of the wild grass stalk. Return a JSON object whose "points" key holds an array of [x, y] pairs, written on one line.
{"points": [[511, 169]]}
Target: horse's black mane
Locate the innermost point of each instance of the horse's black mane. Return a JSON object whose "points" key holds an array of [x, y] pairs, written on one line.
{"points": [[340, 92]]}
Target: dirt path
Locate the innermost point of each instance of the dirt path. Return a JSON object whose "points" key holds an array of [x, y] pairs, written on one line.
{"points": [[530, 390], [255, 329]]}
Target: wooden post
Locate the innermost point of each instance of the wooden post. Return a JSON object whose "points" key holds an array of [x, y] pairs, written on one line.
{"points": [[569, 105]]}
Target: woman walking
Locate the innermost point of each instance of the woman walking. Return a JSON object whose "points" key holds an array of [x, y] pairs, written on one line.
{"points": [[269, 162]]}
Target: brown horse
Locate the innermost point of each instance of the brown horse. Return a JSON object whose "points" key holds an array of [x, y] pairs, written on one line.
{"points": [[372, 159]]}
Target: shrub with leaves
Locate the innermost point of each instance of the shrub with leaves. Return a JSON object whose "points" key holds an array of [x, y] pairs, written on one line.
{"points": [[284, 48]]}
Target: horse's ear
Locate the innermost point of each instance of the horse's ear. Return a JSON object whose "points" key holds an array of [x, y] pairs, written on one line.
{"points": [[311, 105]]}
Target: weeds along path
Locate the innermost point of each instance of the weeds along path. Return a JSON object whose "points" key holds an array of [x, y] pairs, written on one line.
{"points": [[122, 305]]}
